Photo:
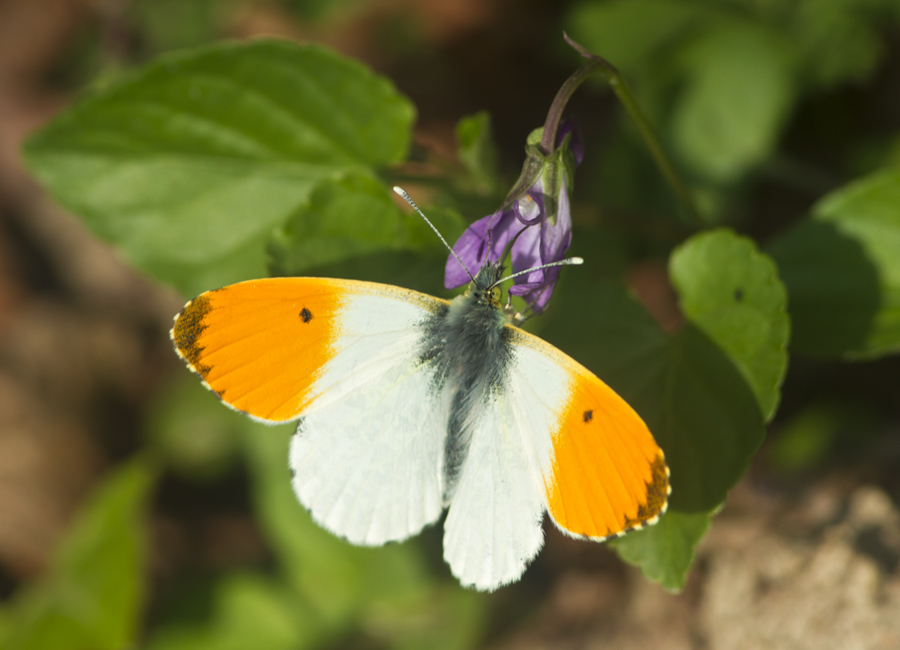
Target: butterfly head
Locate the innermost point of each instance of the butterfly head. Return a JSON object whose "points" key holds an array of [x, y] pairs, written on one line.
{"points": [[485, 286]]}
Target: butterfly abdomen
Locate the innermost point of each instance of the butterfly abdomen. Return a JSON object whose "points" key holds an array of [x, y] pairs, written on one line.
{"points": [[469, 343]]}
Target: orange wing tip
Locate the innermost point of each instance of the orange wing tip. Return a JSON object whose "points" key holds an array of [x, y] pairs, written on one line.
{"points": [[187, 330], [184, 334], [658, 490]]}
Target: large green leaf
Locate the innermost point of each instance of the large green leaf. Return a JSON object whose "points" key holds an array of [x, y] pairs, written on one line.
{"points": [[842, 271], [731, 291], [199, 153], [93, 592]]}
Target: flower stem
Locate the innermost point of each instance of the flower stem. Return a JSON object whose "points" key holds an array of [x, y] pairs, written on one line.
{"points": [[551, 125], [617, 82]]}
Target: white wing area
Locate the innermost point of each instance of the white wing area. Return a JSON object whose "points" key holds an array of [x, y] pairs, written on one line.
{"points": [[368, 454], [493, 528]]}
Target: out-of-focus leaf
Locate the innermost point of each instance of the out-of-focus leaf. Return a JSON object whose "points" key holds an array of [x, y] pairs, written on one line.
{"points": [[199, 153], [719, 80], [665, 551], [248, 611], [477, 152], [805, 439], [93, 591], [448, 221], [842, 271], [192, 430], [731, 291], [840, 40], [739, 91], [171, 24], [626, 32]]}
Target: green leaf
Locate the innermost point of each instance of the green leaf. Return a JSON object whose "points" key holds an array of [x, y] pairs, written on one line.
{"points": [[347, 218], [665, 551], [842, 271], [693, 398], [739, 91], [731, 292], [93, 593], [704, 416], [344, 218], [201, 152], [477, 152]]}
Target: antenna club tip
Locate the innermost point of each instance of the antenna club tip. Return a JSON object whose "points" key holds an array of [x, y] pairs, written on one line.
{"points": [[576, 260], [399, 190]]}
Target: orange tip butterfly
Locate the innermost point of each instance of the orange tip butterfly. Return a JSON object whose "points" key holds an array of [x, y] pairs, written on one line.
{"points": [[407, 405]]}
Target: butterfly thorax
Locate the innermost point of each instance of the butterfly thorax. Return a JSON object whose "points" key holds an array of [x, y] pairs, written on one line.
{"points": [[468, 343]]}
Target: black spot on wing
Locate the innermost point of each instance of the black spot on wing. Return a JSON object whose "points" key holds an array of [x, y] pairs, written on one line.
{"points": [[588, 416], [306, 315]]}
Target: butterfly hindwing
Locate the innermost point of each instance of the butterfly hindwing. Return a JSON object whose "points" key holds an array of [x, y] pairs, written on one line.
{"points": [[493, 527]]}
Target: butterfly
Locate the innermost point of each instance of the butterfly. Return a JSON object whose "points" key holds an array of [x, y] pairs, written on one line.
{"points": [[408, 405]]}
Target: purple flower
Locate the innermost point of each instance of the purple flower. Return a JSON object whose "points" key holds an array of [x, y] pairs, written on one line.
{"points": [[534, 225]]}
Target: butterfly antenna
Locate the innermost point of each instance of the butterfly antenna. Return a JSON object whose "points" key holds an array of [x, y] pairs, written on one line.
{"points": [[569, 261], [408, 199]]}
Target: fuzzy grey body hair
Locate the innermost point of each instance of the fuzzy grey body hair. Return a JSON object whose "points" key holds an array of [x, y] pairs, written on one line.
{"points": [[468, 343]]}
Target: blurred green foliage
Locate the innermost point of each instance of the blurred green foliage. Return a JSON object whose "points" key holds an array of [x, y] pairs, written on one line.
{"points": [[722, 80], [217, 164], [92, 596], [842, 270]]}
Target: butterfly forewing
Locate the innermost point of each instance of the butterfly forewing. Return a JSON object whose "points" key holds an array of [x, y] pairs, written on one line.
{"points": [[260, 345], [368, 455], [344, 357], [606, 474]]}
